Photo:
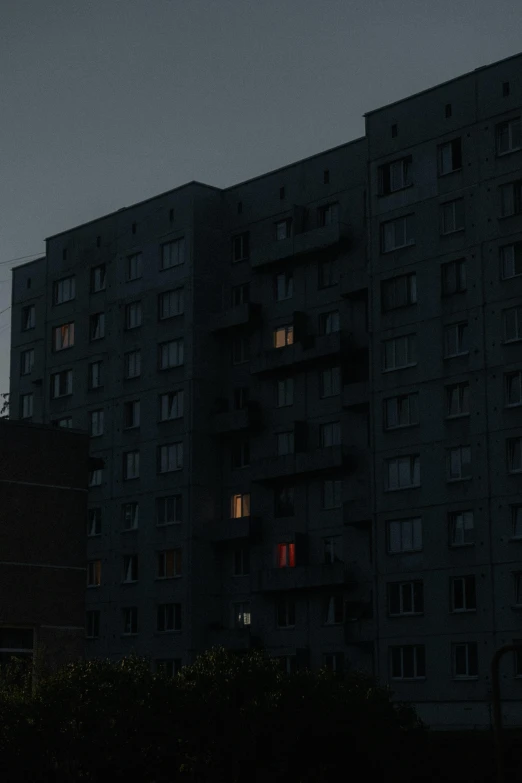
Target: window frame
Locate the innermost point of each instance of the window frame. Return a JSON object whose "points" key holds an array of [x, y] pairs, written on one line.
{"points": [[179, 243]]}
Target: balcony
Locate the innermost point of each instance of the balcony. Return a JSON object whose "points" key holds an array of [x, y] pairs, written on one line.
{"points": [[300, 244], [302, 463], [243, 315], [356, 395], [313, 349], [233, 639], [357, 513], [354, 284], [226, 530], [303, 577], [248, 418]]}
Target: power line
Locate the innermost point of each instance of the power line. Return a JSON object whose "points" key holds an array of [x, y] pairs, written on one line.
{"points": [[21, 258], [5, 310]]}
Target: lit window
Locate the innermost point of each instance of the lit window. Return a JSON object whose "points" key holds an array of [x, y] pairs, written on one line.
{"points": [[283, 336], [404, 535], [169, 564], [170, 457], [286, 555], [63, 337], [170, 303], [463, 594], [240, 506], [173, 253]]}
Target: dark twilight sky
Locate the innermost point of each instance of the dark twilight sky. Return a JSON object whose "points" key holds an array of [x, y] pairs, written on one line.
{"points": [[107, 102]]}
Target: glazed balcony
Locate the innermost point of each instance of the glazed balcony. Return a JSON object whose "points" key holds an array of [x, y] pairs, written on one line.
{"points": [[300, 244]]}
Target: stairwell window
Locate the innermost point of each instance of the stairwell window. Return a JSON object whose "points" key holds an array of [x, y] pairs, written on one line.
{"points": [[452, 216], [511, 260], [173, 253], [395, 175], [512, 321], [509, 136], [283, 336], [399, 352], [402, 473], [408, 662], [397, 233], [459, 463]]}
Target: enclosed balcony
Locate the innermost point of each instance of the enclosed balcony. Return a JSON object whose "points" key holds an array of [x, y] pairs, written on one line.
{"points": [[301, 244], [309, 350], [232, 421], [302, 463], [245, 315], [227, 530]]}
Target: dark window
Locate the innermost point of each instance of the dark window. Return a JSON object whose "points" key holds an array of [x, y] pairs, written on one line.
{"points": [[134, 228], [326, 176], [395, 175], [240, 294], [240, 247], [171, 215], [453, 277], [240, 454], [447, 110], [241, 397], [394, 131], [405, 598], [239, 207], [408, 662], [463, 594], [450, 156], [505, 89], [284, 502], [281, 193], [399, 291], [169, 510]]}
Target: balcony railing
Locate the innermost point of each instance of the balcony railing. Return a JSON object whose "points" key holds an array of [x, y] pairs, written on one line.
{"points": [[312, 241], [314, 348], [226, 530], [242, 315], [305, 462]]}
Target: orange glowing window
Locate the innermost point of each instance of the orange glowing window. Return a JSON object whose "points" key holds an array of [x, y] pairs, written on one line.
{"points": [[286, 555]]}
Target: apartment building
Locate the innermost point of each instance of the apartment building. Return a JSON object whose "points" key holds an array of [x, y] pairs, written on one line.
{"points": [[43, 493], [306, 393]]}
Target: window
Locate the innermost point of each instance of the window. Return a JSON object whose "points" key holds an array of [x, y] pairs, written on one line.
{"points": [[333, 610], [463, 594], [281, 193], [447, 111], [130, 568], [329, 322], [284, 502], [394, 131], [94, 518], [240, 294], [66, 422], [131, 465], [241, 562], [131, 414], [170, 457], [130, 513], [399, 291], [509, 136], [453, 276], [97, 278], [334, 662], [240, 454], [511, 260], [328, 215], [332, 493], [169, 564], [240, 506], [97, 326], [332, 547], [399, 352], [283, 229], [288, 663], [512, 318], [284, 286], [241, 397], [452, 216], [459, 463], [64, 290], [330, 434], [404, 535], [171, 354], [402, 472], [241, 614], [326, 176], [95, 477], [169, 510], [286, 555], [516, 521], [465, 660], [401, 411], [92, 624], [328, 273], [28, 318], [130, 620], [171, 405], [169, 667], [26, 406], [285, 443], [173, 253], [132, 364], [461, 527], [27, 362], [63, 337], [285, 392], [457, 399], [456, 340], [394, 176], [397, 233], [240, 350], [408, 662], [94, 573], [95, 375], [514, 454], [505, 89], [239, 207], [96, 423], [134, 266], [517, 584], [61, 383], [170, 303], [405, 598], [511, 199], [285, 613], [283, 335], [240, 247], [133, 312], [330, 382], [450, 156], [169, 617]]}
